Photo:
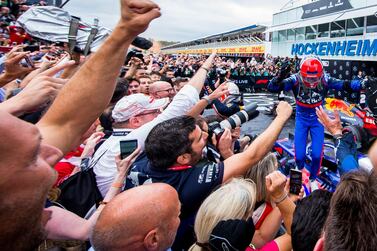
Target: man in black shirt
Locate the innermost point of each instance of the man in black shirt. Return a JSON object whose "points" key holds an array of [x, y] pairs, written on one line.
{"points": [[173, 155]]}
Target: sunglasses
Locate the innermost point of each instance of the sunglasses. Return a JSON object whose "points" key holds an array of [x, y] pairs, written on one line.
{"points": [[149, 112]]}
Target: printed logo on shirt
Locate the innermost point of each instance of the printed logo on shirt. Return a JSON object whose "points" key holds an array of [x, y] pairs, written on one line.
{"points": [[201, 178], [209, 173]]}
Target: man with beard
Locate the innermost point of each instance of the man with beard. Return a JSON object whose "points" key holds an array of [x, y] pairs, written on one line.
{"points": [[28, 152], [173, 155]]}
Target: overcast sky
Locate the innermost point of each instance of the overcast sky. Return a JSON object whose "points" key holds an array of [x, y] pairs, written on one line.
{"points": [[184, 20]]}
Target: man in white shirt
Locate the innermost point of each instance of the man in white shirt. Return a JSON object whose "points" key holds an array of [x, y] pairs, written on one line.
{"points": [[104, 158]]}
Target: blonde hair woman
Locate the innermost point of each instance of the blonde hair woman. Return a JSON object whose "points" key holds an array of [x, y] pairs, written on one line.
{"points": [[235, 199]]}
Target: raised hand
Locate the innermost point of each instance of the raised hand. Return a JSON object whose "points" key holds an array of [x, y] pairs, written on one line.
{"points": [[123, 165], [219, 92], [284, 110], [12, 64], [225, 144], [137, 14], [91, 143], [41, 89], [334, 126], [275, 184]]}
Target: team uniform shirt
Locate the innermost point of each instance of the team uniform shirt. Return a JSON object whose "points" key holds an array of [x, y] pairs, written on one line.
{"points": [[309, 98], [193, 184], [105, 169]]}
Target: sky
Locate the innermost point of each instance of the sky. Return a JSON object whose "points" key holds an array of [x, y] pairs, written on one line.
{"points": [[184, 20]]}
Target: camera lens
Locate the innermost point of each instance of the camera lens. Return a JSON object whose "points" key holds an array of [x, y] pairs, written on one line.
{"points": [[249, 112]]}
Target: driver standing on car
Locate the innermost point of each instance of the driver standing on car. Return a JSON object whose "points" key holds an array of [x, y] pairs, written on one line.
{"points": [[310, 87]]}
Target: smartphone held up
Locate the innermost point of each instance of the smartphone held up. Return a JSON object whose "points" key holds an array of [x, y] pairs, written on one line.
{"points": [[295, 181], [127, 147]]}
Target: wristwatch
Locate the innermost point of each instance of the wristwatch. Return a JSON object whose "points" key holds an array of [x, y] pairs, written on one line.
{"points": [[209, 101]]}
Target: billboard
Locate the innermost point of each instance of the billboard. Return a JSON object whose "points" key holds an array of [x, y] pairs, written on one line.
{"points": [[252, 49], [350, 48], [324, 7]]}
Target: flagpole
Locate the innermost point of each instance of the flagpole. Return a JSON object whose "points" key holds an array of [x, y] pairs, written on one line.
{"points": [[62, 5]]}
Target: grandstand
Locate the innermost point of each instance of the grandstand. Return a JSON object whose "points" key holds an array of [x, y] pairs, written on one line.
{"points": [[243, 42]]}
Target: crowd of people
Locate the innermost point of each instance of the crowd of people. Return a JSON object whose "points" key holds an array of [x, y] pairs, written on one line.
{"points": [[10, 11], [66, 182]]}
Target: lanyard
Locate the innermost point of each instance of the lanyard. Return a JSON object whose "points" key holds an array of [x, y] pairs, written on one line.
{"points": [[179, 168], [120, 133]]}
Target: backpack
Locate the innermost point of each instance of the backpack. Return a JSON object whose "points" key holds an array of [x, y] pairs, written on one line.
{"points": [[79, 193]]}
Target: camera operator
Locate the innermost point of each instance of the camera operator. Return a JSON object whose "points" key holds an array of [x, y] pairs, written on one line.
{"points": [[216, 151], [230, 104], [173, 155]]}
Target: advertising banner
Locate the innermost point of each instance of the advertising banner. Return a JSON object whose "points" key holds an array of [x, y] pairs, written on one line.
{"points": [[250, 83], [350, 48], [324, 7], [251, 49]]}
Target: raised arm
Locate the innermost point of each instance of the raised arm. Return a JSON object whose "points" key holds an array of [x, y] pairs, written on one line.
{"points": [[89, 91], [199, 78], [238, 164], [204, 102], [275, 183], [283, 81], [13, 68]]}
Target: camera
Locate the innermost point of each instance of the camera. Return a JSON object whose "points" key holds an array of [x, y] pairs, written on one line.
{"points": [[221, 74], [134, 53], [249, 112], [142, 43]]}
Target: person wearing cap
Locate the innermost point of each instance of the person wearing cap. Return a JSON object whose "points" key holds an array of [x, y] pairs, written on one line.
{"points": [[230, 104], [135, 116], [135, 110]]}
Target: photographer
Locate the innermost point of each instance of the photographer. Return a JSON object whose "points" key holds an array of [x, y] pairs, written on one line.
{"points": [[173, 155]]}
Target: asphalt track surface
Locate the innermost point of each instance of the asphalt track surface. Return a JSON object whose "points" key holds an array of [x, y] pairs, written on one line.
{"points": [[260, 123]]}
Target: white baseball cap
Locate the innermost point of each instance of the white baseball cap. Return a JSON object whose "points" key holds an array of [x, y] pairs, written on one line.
{"points": [[135, 104]]}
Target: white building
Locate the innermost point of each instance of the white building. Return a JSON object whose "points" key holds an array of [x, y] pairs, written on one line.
{"points": [[342, 32]]}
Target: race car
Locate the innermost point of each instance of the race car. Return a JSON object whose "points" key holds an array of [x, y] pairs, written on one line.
{"points": [[361, 122], [328, 176]]}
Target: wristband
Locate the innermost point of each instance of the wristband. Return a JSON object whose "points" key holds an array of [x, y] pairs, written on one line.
{"points": [[204, 68], [209, 101], [281, 199], [117, 185]]}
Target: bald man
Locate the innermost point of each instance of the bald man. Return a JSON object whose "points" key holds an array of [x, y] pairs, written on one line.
{"points": [[161, 89], [142, 218]]}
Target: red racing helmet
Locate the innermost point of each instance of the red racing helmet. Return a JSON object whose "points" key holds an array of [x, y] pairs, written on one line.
{"points": [[311, 71]]}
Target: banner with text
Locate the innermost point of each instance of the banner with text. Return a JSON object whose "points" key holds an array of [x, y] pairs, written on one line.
{"points": [[252, 49]]}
